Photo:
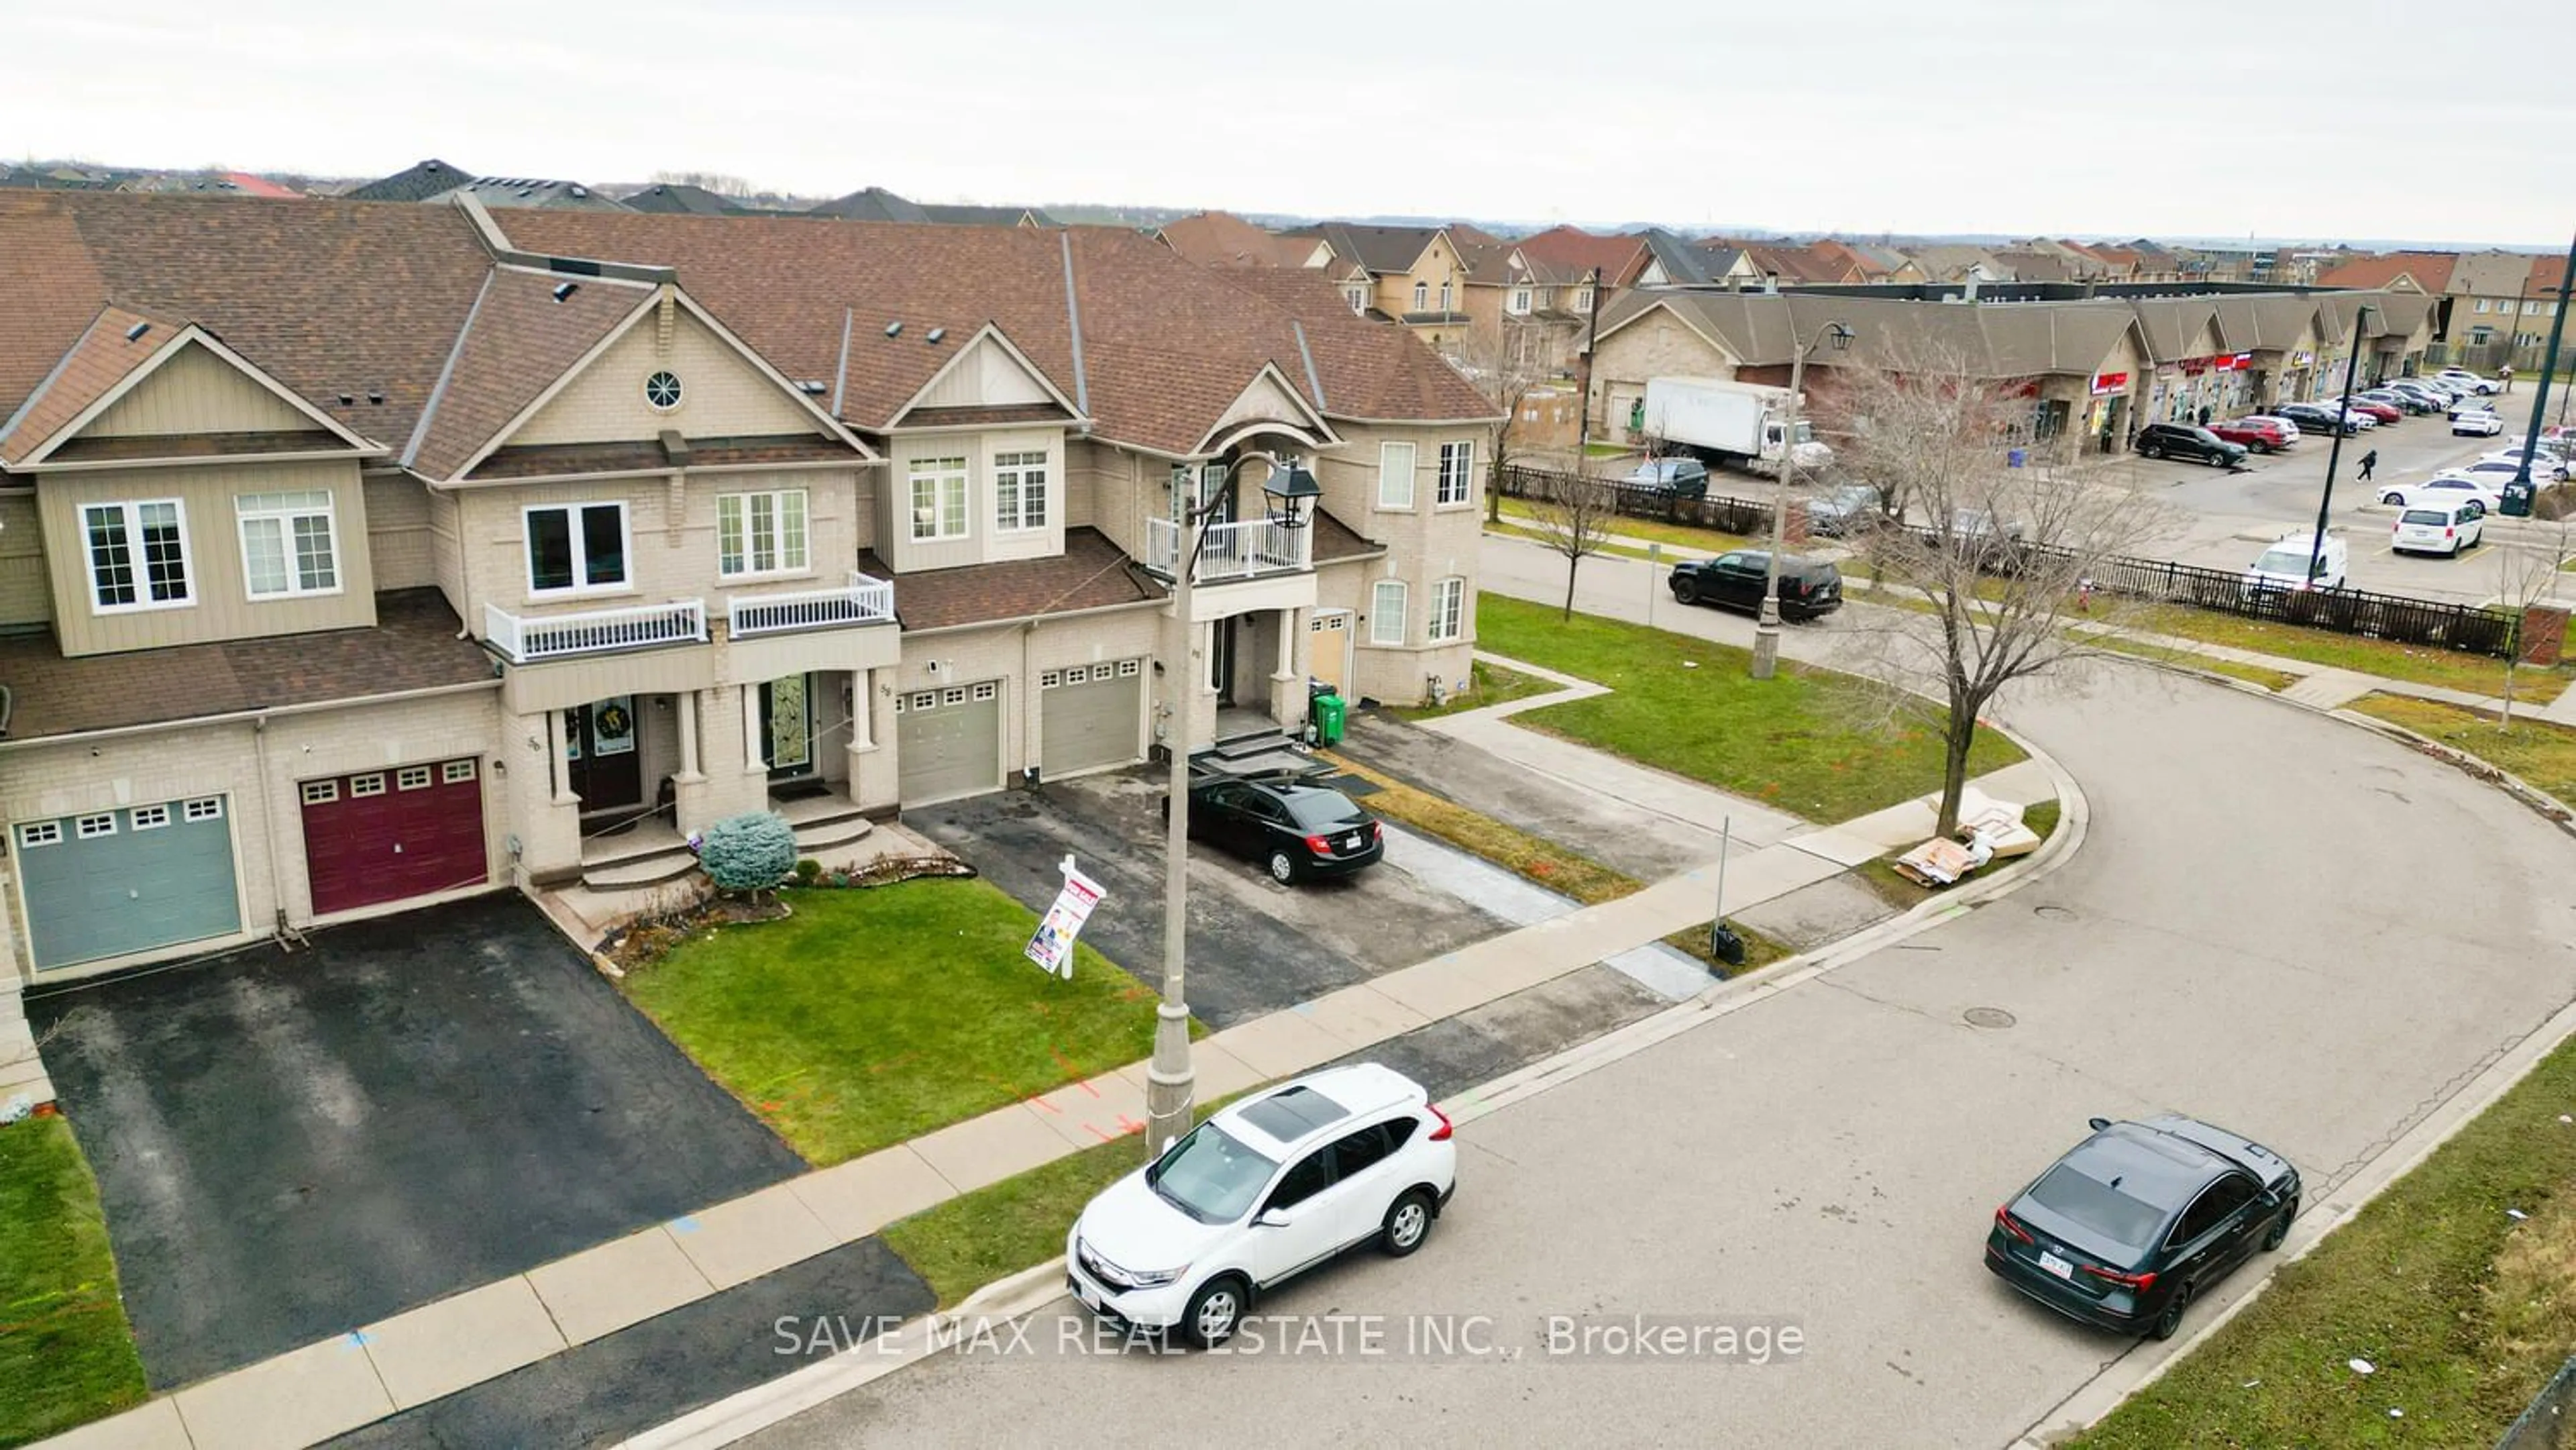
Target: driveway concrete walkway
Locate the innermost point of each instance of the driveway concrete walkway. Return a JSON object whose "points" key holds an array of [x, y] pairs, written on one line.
{"points": [[339, 1384]]}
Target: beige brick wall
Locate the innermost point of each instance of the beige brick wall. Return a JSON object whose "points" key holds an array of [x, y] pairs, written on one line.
{"points": [[1426, 543], [721, 394], [263, 807], [1017, 657], [1655, 346], [26, 594]]}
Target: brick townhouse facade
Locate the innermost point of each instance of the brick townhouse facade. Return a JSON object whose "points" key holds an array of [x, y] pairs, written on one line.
{"points": [[357, 555]]}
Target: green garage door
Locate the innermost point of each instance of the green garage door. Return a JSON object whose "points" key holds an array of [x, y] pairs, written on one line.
{"points": [[113, 882], [1090, 716], [950, 741]]}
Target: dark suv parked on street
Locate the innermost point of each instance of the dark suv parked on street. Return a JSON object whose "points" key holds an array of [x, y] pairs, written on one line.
{"points": [[1808, 587], [2182, 440]]}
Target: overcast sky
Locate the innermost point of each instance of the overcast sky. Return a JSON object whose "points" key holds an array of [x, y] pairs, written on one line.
{"points": [[2415, 119]]}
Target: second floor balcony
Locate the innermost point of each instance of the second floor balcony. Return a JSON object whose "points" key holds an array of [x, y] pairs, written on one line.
{"points": [[1244, 549], [535, 639], [863, 600]]}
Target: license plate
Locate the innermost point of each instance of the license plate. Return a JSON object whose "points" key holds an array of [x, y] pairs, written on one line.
{"points": [[1350, 843], [1083, 1292], [2055, 1265]]}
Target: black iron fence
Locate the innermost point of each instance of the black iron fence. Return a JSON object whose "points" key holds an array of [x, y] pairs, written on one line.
{"points": [[2550, 1422], [2396, 617]]}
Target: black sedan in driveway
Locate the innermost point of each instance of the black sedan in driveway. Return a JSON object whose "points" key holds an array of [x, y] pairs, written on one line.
{"points": [[1294, 831], [2127, 1229], [1808, 587]]}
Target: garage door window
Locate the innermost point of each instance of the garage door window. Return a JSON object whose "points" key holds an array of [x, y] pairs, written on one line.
{"points": [[365, 785], [209, 809], [40, 833], [90, 828], [413, 777], [455, 771], [318, 792], [150, 818]]}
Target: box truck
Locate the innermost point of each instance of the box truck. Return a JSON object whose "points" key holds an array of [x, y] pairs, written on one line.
{"points": [[1729, 422]]}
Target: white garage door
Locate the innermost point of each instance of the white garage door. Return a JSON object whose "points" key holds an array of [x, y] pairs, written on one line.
{"points": [[1090, 716], [950, 741]]}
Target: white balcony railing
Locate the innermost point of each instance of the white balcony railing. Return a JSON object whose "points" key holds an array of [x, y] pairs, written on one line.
{"points": [[1238, 550], [864, 601], [593, 631]]}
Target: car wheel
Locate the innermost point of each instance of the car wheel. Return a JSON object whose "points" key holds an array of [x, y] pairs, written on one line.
{"points": [[1686, 589], [2457, 544], [1408, 1223], [1214, 1311], [2150, 451], [2169, 1323], [2280, 1228], [2267, 448], [2394, 499], [1283, 868]]}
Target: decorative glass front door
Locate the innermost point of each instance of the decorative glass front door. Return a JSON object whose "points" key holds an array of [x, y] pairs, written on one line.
{"points": [[599, 741], [787, 726]]}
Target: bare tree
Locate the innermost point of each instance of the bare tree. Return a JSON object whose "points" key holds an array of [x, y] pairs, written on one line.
{"points": [[1508, 372], [1573, 516], [2528, 573], [2000, 563]]}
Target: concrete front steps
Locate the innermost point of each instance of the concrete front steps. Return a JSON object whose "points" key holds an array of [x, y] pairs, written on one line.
{"points": [[653, 853]]}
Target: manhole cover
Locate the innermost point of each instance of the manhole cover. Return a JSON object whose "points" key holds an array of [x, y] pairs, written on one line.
{"points": [[1987, 1017], [2052, 913]]}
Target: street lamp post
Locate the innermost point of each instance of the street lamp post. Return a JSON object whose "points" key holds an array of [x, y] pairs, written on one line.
{"points": [[1766, 629], [2548, 369], [1170, 1079], [2334, 451]]}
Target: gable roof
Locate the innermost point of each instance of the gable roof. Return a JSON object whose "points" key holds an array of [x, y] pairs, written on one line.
{"points": [[417, 182], [668, 196], [870, 204], [1683, 264], [2491, 274], [518, 341], [47, 425], [2430, 270], [1575, 252], [2014, 340], [1222, 239], [956, 214], [532, 192], [1379, 249], [100, 362]]}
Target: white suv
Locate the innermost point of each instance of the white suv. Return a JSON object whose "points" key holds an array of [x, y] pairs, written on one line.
{"points": [[2463, 378], [1264, 1190]]}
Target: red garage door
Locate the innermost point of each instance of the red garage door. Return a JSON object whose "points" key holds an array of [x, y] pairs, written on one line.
{"points": [[386, 835]]}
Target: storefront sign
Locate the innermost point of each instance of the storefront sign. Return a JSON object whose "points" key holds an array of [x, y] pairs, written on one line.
{"points": [[2233, 363], [2302, 359], [2109, 383]]}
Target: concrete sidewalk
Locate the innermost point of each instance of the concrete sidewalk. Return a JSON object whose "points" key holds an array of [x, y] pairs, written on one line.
{"points": [[374, 1371]]}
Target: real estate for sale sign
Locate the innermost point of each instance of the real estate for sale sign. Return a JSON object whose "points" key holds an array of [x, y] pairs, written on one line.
{"points": [[1052, 947]]}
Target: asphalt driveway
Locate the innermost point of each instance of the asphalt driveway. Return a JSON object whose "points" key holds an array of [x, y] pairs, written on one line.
{"points": [[1254, 946], [291, 1146]]}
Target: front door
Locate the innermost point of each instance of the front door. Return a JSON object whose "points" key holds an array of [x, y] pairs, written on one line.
{"points": [[1221, 660], [787, 726], [599, 741]]}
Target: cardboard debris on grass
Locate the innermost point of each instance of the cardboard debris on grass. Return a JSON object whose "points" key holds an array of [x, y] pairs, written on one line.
{"points": [[1989, 830]]}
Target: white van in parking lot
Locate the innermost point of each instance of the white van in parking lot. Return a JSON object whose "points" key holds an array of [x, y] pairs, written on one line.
{"points": [[2285, 565], [2440, 526]]}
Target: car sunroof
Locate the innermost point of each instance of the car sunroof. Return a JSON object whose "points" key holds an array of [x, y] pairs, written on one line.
{"points": [[1292, 1113]]}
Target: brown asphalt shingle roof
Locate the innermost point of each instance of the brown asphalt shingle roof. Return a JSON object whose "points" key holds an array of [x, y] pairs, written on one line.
{"points": [[519, 341], [413, 646], [546, 460], [101, 359], [1090, 574], [2431, 270]]}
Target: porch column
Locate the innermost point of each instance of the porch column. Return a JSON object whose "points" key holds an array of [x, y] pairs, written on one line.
{"points": [[687, 703], [691, 806], [1287, 692], [558, 767], [754, 760], [862, 692]]}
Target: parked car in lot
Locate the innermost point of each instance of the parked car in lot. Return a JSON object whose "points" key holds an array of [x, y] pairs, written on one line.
{"points": [[2444, 526], [2183, 440], [2319, 418], [2286, 565], [2471, 404], [1263, 1190], [2140, 1219], [2492, 473], [2435, 399], [1852, 506], [1809, 588], [2382, 412], [2462, 377], [1680, 477], [2407, 404], [2259, 433], [1294, 831], [1981, 526], [2440, 488], [2546, 463], [2478, 422]]}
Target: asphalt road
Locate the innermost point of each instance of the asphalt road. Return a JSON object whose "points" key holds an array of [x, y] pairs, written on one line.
{"points": [[2277, 922]]}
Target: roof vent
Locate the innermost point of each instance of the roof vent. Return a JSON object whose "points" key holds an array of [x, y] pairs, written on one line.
{"points": [[577, 191], [894, 327], [348, 400], [933, 335], [566, 289], [376, 396], [135, 333], [811, 387]]}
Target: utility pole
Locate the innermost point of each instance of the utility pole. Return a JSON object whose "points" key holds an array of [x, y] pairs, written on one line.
{"points": [[1170, 1079], [1766, 627], [2548, 366], [1591, 337], [2334, 454]]}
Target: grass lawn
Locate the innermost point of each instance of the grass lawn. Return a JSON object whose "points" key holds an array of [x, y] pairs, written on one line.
{"points": [[1494, 685], [1904, 893], [1653, 531], [2420, 664], [2268, 678], [2463, 1309], [2542, 755], [66, 1355], [1796, 742], [876, 1014], [994, 1232]]}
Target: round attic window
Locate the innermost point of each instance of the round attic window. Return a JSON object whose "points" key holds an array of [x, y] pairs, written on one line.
{"points": [[662, 391]]}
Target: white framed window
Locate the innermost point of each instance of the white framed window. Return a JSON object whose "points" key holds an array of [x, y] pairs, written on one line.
{"points": [[760, 533], [1521, 300], [290, 543], [1386, 612], [1357, 297], [1457, 473], [1449, 609], [40, 833], [412, 777], [1444, 296], [90, 828], [662, 391], [317, 793], [149, 818], [1582, 299], [366, 785], [576, 548], [1395, 475], [138, 555], [2482, 304], [1020, 490], [456, 771], [205, 808], [1421, 296], [938, 491]]}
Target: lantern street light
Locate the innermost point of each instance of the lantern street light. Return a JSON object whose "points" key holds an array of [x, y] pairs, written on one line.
{"points": [[1766, 630]]}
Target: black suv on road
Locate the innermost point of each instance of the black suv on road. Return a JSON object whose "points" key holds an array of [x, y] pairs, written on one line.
{"points": [[1808, 587], [2182, 440]]}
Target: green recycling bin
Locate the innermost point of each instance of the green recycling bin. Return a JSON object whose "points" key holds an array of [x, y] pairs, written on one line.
{"points": [[1328, 719], [2517, 498]]}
